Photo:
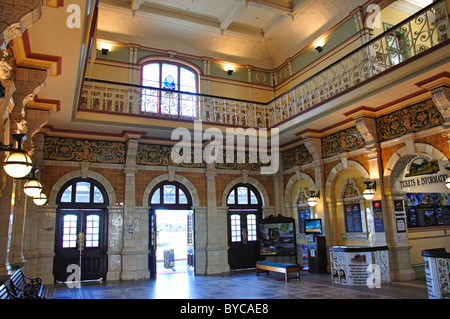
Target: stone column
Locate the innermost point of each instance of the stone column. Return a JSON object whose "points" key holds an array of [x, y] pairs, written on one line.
{"points": [[135, 224], [216, 229], [399, 248], [314, 146]]}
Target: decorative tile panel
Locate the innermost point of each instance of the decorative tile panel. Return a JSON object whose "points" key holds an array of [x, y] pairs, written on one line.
{"points": [[160, 155], [417, 117], [71, 149], [343, 141], [296, 156]]}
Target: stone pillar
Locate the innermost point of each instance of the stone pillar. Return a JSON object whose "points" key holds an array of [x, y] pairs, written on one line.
{"points": [[314, 146], [399, 249], [115, 242], [135, 223], [216, 229], [30, 238]]}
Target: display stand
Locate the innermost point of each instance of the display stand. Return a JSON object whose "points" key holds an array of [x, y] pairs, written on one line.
{"points": [[317, 254], [359, 266], [437, 273], [277, 239]]}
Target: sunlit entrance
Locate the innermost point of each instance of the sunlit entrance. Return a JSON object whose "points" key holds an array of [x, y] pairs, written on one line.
{"points": [[173, 243], [171, 229]]}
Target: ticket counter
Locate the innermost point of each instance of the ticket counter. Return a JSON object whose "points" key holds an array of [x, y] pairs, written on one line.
{"points": [[359, 265]]}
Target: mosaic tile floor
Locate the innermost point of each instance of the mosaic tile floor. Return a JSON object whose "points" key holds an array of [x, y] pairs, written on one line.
{"points": [[236, 285]]}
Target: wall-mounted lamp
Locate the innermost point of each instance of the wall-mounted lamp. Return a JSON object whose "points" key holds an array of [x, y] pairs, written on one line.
{"points": [[105, 51], [230, 72], [369, 192], [319, 48], [40, 200], [17, 164], [32, 187], [313, 198]]}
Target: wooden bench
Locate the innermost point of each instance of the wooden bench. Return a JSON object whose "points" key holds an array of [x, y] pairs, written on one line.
{"points": [[26, 288], [285, 268]]}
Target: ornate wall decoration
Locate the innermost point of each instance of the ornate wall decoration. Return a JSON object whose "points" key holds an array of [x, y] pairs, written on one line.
{"points": [[350, 191], [155, 155], [343, 141], [238, 166], [160, 155], [425, 115], [296, 156], [417, 117], [71, 149]]}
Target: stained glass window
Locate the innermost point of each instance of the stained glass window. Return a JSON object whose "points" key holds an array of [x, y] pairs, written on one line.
{"points": [[169, 77]]}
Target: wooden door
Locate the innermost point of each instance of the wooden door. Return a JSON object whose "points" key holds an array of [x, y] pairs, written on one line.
{"points": [[242, 238], [81, 240]]}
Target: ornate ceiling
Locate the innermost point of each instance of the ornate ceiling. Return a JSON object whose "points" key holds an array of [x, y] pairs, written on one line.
{"points": [[262, 33]]}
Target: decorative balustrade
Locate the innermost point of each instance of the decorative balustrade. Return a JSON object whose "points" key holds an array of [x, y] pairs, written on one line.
{"points": [[116, 98], [424, 30]]}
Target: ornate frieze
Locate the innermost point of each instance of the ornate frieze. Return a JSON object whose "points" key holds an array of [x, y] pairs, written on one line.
{"points": [[78, 150], [296, 156], [417, 117], [343, 141]]}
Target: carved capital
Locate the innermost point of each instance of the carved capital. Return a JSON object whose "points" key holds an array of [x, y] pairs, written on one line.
{"points": [[16, 16], [35, 120], [368, 129], [314, 146], [441, 98], [28, 83]]}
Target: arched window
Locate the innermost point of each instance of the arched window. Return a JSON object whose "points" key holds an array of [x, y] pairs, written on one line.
{"points": [[244, 194], [82, 193], [169, 77], [171, 194]]}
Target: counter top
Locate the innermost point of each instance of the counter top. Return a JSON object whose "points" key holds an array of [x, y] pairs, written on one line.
{"points": [[437, 253], [357, 248]]}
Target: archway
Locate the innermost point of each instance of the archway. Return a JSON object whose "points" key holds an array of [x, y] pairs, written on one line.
{"points": [[244, 213], [81, 230], [171, 229]]}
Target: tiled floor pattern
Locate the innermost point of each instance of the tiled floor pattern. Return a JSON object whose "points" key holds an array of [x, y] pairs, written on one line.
{"points": [[239, 285]]}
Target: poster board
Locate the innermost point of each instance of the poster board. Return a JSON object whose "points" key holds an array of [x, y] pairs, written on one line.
{"points": [[353, 219], [277, 237]]}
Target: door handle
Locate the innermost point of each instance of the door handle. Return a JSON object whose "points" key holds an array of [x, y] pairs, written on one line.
{"points": [[244, 236], [81, 239]]}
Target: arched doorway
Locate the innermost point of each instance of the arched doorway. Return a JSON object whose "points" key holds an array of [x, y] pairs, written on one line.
{"points": [[171, 223], [81, 230], [244, 213]]}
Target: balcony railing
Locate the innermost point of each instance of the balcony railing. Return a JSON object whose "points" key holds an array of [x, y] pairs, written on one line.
{"points": [[422, 31]]}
